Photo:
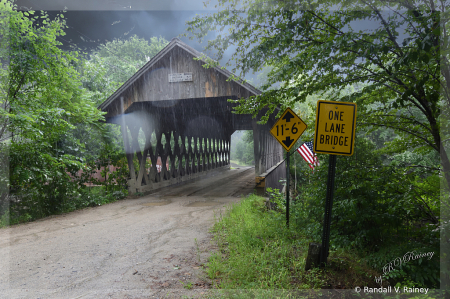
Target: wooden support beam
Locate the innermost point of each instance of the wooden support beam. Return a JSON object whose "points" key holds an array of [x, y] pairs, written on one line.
{"points": [[229, 149], [129, 153], [142, 169], [256, 147], [158, 152]]}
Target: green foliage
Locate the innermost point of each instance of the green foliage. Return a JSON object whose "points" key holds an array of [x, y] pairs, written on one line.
{"points": [[423, 271], [41, 80], [187, 285], [49, 97], [278, 199], [387, 193], [242, 148], [104, 150], [379, 210], [256, 249], [96, 80], [42, 101], [320, 48], [106, 68], [114, 62], [49, 121]]}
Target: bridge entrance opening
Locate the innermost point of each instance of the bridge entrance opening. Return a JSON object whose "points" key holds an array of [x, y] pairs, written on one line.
{"points": [[242, 148]]}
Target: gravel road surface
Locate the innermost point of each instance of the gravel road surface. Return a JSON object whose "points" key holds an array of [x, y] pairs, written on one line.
{"points": [[150, 247]]}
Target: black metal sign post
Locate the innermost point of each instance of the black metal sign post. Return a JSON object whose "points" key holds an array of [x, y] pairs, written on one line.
{"points": [[287, 190], [328, 209], [333, 117], [287, 129]]}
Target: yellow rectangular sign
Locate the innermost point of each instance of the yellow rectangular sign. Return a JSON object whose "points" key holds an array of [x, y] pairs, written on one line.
{"points": [[335, 128], [288, 129]]}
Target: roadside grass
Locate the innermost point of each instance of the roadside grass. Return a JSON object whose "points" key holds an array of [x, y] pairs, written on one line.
{"points": [[258, 251], [254, 248]]}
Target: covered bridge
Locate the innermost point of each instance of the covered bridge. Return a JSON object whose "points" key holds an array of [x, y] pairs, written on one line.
{"points": [[181, 109]]}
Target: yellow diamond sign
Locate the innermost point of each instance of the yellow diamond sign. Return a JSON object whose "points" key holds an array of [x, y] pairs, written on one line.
{"points": [[288, 129], [335, 128]]}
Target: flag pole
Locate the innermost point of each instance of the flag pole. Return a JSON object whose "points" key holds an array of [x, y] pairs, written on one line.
{"points": [[295, 167]]}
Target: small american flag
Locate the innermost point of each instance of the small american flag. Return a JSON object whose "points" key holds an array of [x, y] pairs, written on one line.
{"points": [[306, 151]]}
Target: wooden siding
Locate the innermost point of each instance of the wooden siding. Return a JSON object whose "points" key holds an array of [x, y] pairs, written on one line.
{"points": [[154, 84]]}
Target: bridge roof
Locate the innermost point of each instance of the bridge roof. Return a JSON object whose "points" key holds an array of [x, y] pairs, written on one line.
{"points": [[151, 82]]}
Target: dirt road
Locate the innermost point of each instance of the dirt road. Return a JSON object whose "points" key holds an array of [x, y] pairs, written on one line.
{"points": [[148, 247]]}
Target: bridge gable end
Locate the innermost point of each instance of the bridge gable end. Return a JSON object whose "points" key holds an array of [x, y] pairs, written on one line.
{"points": [[192, 80]]}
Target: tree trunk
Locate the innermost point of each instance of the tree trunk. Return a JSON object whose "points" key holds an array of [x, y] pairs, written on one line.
{"points": [[445, 164]]}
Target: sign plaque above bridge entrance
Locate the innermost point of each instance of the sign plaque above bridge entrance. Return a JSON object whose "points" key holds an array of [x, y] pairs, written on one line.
{"points": [[180, 77], [288, 129], [335, 128]]}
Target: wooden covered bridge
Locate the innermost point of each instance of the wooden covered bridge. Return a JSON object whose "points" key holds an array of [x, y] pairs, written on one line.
{"points": [[181, 109]]}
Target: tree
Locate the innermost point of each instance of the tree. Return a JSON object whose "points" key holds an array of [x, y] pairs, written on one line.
{"points": [[392, 59], [242, 147], [118, 60], [401, 63], [43, 101], [111, 64]]}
